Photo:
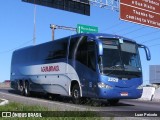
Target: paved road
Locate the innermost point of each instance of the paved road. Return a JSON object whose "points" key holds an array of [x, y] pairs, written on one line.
{"points": [[64, 104]]}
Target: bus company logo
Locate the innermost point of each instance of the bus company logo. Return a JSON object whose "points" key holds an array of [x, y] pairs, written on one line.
{"points": [[21, 114], [50, 68], [6, 114]]}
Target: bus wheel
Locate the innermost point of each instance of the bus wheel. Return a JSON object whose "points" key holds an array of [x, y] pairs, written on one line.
{"points": [[113, 101], [76, 94], [22, 89], [26, 89]]}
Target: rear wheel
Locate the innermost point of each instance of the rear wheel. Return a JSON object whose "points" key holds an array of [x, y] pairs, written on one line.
{"points": [[76, 94], [26, 89], [21, 88]]}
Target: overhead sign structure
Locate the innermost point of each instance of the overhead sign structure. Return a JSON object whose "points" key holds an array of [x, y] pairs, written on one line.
{"points": [[86, 29], [77, 6], [146, 12]]}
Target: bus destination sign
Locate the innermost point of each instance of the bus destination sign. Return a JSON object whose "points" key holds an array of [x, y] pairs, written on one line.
{"points": [[146, 12]]}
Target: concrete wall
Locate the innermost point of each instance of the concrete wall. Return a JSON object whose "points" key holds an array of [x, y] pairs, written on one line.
{"points": [[154, 74], [148, 93], [156, 96]]}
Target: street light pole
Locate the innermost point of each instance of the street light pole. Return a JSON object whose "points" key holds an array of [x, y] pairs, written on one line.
{"points": [[34, 31]]}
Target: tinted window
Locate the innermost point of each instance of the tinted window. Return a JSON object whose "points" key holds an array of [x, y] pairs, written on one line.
{"points": [[91, 55], [82, 51], [78, 49], [130, 56], [58, 49], [111, 55], [72, 46]]}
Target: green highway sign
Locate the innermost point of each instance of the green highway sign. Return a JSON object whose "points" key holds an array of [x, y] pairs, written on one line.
{"points": [[86, 29]]}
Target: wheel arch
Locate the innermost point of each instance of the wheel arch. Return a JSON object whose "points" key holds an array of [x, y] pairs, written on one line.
{"points": [[74, 82]]}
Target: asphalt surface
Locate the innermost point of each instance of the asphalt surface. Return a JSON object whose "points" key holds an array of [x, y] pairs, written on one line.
{"points": [[124, 108]]}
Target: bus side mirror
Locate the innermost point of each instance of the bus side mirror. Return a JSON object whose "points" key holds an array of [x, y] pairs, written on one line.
{"points": [[100, 48], [148, 54]]}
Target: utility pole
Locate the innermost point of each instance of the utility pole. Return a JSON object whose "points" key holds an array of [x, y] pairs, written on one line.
{"points": [[34, 30]]}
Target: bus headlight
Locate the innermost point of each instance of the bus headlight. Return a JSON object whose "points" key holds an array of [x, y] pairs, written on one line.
{"points": [[140, 87], [103, 85]]}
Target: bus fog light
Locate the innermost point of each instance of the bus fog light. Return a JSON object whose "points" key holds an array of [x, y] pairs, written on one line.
{"points": [[103, 85], [140, 87]]}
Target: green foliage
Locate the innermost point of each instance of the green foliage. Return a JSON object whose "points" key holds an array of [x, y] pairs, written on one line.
{"points": [[22, 108]]}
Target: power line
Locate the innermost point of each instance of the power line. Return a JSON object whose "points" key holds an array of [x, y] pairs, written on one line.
{"points": [[112, 26], [10, 50], [115, 25], [124, 29], [133, 31], [154, 45], [146, 34], [151, 40]]}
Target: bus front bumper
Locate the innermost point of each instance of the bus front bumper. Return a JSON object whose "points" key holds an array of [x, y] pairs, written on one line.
{"points": [[119, 93]]}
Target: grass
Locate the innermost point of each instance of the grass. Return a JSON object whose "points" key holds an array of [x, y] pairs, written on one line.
{"points": [[21, 108]]}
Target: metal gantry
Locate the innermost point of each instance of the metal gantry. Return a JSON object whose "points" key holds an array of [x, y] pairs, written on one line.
{"points": [[108, 4]]}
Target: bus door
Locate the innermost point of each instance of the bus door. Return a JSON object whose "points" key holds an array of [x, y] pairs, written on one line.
{"points": [[83, 54], [92, 76]]}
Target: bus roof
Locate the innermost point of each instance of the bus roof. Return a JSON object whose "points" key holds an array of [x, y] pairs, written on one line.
{"points": [[103, 35], [90, 35]]}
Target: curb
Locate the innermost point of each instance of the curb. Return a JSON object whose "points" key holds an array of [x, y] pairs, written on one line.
{"points": [[4, 102]]}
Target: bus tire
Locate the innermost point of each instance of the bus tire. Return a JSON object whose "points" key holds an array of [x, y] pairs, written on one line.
{"points": [[113, 101], [21, 88], [76, 94], [26, 89]]}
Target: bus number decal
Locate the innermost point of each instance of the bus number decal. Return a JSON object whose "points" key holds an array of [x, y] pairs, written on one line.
{"points": [[113, 79]]}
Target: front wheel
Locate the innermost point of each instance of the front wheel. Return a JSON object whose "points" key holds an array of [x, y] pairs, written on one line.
{"points": [[76, 94]]}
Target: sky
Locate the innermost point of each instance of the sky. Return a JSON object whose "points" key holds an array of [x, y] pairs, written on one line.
{"points": [[17, 26]]}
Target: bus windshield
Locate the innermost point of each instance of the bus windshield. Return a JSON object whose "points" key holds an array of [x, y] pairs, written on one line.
{"points": [[130, 56], [119, 58]]}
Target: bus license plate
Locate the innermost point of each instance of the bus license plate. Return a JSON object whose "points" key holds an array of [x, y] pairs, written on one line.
{"points": [[124, 93]]}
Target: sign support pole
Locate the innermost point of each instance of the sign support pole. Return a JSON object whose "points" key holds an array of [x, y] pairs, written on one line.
{"points": [[53, 27]]}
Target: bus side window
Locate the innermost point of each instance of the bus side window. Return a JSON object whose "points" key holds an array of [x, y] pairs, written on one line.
{"points": [[91, 55], [58, 52], [82, 52], [72, 45], [85, 52]]}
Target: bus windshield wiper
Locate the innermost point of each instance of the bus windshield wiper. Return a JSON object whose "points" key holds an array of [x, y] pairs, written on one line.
{"points": [[115, 68]]}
